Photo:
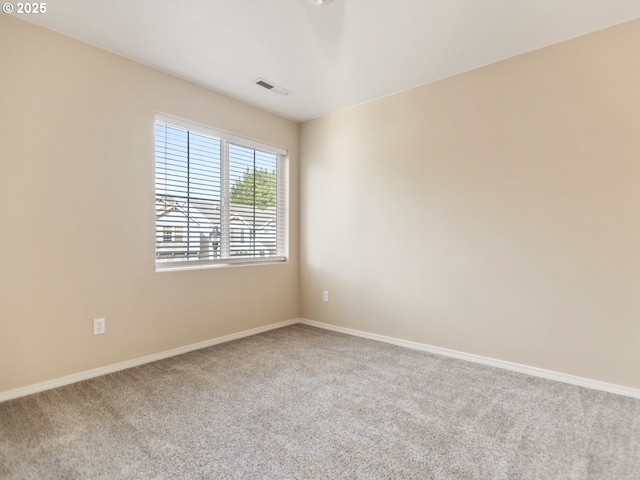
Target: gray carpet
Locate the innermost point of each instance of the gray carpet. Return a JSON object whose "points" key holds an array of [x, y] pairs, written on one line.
{"points": [[304, 403]]}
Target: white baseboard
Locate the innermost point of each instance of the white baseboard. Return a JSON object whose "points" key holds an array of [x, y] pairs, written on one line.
{"points": [[96, 372], [516, 367]]}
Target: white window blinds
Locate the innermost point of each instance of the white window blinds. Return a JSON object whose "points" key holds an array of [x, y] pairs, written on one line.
{"points": [[219, 198]]}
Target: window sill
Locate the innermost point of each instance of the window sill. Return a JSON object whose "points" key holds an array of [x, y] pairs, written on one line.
{"points": [[221, 264]]}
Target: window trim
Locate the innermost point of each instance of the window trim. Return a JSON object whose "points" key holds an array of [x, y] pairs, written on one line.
{"points": [[230, 137], [282, 197]]}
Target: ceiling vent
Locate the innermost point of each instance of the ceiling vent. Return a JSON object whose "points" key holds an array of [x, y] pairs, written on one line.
{"points": [[272, 87]]}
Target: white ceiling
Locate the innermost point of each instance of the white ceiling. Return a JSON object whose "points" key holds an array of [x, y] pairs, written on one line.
{"points": [[330, 57]]}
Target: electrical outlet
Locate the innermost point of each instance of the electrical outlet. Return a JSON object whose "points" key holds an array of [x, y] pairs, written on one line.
{"points": [[99, 326], [325, 296]]}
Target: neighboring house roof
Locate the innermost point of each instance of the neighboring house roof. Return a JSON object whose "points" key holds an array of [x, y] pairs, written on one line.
{"points": [[206, 213], [208, 208], [271, 224], [168, 206]]}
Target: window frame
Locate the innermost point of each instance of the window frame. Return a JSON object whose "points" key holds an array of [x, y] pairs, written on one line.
{"points": [[282, 198]]}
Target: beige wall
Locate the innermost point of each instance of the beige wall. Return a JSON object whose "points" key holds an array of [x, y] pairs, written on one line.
{"points": [[496, 212], [77, 213]]}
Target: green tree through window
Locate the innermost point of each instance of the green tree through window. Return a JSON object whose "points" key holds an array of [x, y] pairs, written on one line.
{"points": [[256, 187]]}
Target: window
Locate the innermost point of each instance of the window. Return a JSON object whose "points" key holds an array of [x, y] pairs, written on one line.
{"points": [[220, 199], [168, 234]]}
